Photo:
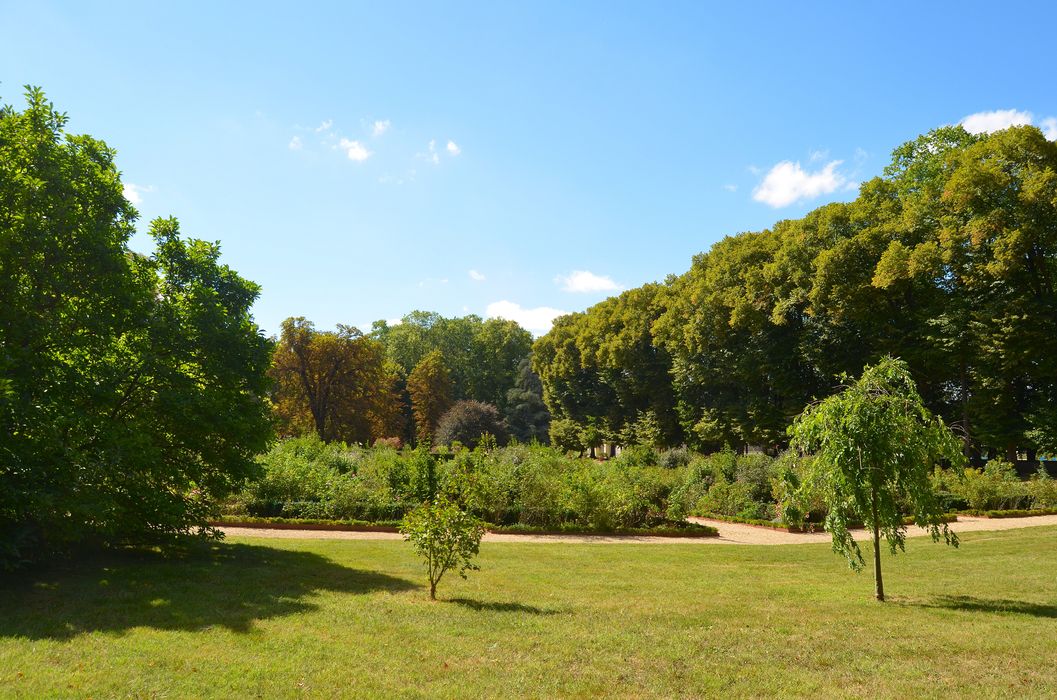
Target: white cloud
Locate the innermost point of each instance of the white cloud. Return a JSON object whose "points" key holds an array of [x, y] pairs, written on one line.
{"points": [[394, 321], [380, 127], [582, 281], [730, 188], [433, 156], [987, 122], [538, 319], [325, 126], [354, 150], [787, 183], [453, 148], [1049, 128], [429, 281], [477, 276], [134, 193], [295, 144]]}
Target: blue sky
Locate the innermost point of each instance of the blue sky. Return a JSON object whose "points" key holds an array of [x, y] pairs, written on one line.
{"points": [[516, 159]]}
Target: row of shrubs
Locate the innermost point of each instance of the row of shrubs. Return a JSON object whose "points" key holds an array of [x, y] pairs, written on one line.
{"points": [[996, 487], [516, 485], [541, 487]]}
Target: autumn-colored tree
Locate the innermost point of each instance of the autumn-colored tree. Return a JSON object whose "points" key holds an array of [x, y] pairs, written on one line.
{"points": [[336, 383], [429, 386]]}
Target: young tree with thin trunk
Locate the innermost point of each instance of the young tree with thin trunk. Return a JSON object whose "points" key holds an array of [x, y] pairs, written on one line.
{"points": [[874, 446], [446, 537]]}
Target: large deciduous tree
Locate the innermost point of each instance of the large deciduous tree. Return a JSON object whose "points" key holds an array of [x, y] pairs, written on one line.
{"points": [[874, 445], [336, 383], [132, 388], [429, 386]]}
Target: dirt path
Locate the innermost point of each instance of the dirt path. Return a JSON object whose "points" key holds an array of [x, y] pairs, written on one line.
{"points": [[729, 533]]}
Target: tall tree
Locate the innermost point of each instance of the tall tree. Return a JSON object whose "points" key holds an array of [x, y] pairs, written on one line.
{"points": [[875, 445], [135, 385], [481, 355], [337, 383], [429, 386], [526, 414]]}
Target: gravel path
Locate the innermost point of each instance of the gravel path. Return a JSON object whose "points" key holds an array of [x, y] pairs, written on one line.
{"points": [[729, 533]]}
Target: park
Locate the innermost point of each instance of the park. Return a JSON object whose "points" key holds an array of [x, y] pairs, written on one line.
{"points": [[801, 443]]}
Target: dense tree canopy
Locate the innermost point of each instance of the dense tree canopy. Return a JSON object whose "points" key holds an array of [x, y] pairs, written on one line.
{"points": [[133, 388], [481, 356], [430, 388], [948, 261], [337, 383]]}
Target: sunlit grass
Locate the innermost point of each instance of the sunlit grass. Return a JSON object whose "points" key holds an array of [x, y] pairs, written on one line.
{"points": [[327, 618]]}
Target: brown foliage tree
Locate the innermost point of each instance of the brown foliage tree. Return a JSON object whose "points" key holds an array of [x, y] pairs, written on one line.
{"points": [[429, 386], [336, 383]]}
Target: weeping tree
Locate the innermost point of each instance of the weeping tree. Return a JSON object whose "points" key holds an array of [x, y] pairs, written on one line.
{"points": [[874, 446]]}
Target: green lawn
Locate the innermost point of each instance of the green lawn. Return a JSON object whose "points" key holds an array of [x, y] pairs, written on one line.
{"points": [[284, 618]]}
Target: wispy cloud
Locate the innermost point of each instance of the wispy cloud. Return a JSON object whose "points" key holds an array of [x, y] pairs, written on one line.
{"points": [[296, 144], [324, 126], [787, 183], [453, 148], [429, 281], [538, 319], [585, 282], [380, 127], [730, 188], [134, 193], [476, 276], [988, 122], [354, 150]]}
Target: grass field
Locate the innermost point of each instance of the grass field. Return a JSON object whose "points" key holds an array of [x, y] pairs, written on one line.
{"points": [[291, 618]]}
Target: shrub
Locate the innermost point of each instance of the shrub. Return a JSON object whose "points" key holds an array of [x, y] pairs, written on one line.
{"points": [[674, 458], [733, 498], [393, 443], [756, 472], [565, 435], [1043, 489], [995, 487], [445, 537], [467, 421], [637, 456]]}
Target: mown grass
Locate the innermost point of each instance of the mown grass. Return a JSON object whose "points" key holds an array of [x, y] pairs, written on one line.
{"points": [[332, 618]]}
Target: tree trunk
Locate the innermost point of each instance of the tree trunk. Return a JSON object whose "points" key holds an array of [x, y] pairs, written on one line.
{"points": [[879, 583], [432, 590]]}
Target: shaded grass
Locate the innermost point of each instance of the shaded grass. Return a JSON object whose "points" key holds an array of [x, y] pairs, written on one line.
{"points": [[338, 618]]}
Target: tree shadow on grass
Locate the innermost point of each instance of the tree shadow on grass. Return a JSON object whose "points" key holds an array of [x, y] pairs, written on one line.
{"points": [[991, 605], [220, 585], [503, 607]]}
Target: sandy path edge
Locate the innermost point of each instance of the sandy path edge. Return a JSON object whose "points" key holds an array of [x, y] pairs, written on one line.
{"points": [[729, 533]]}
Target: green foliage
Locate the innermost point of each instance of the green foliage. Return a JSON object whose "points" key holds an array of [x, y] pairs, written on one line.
{"points": [[875, 445], [521, 484], [526, 414], [1043, 489], [482, 356], [995, 487], [565, 435], [467, 421], [445, 537], [133, 387], [946, 262]]}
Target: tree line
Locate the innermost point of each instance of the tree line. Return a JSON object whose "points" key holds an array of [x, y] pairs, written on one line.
{"points": [[948, 261], [400, 381]]}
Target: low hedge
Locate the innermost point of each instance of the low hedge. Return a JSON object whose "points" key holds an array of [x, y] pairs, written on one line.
{"points": [[1010, 513], [306, 524], [666, 530], [771, 524], [809, 527]]}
